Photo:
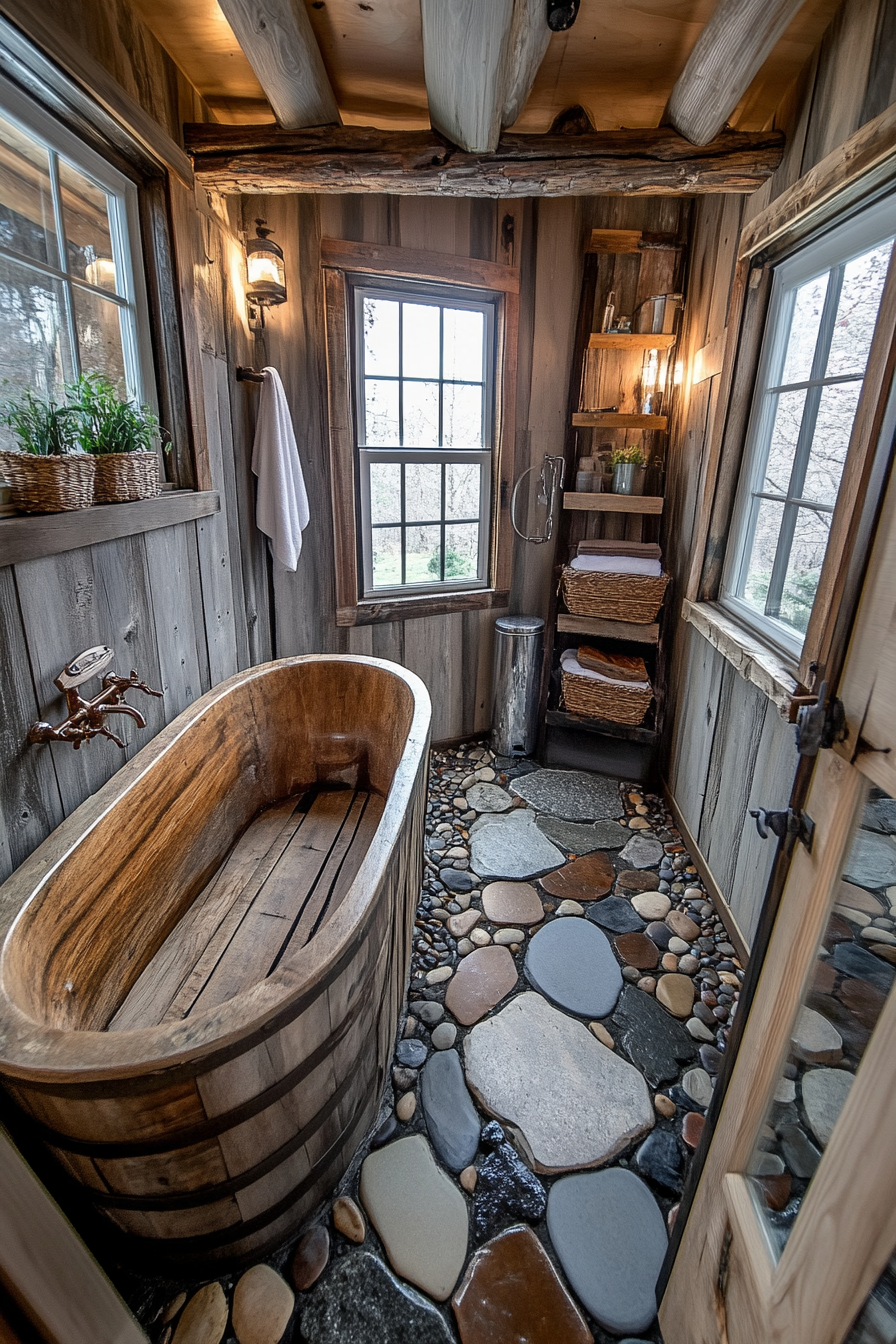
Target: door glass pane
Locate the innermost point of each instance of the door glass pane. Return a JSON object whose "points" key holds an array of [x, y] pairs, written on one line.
{"points": [[804, 325], [33, 335], [85, 214], [876, 1323], [849, 984], [98, 323], [380, 319], [26, 198], [863, 284]]}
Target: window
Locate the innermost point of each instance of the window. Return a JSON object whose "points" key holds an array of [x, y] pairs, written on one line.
{"points": [[424, 379], [421, 372], [822, 316], [72, 297]]}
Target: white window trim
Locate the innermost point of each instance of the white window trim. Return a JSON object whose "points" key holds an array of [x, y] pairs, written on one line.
{"points": [[124, 220], [841, 243], [448, 294]]}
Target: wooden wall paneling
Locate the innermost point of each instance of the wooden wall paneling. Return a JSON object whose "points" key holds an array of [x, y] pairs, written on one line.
{"points": [[171, 575], [695, 686], [881, 90], [387, 641], [478, 653], [842, 79], [30, 801], [770, 787], [433, 648], [732, 761]]}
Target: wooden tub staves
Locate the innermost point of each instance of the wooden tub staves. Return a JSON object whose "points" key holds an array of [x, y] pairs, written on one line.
{"points": [[202, 968]]}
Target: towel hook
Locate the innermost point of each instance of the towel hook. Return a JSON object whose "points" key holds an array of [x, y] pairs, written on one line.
{"points": [[247, 375], [552, 472]]}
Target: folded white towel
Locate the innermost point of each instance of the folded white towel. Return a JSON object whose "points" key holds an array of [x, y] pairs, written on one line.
{"points": [[570, 663], [618, 564], [281, 505]]}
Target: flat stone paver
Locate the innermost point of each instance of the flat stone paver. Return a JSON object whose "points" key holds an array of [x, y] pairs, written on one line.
{"points": [[616, 914], [570, 1101], [815, 1040], [482, 980], [360, 1302], [587, 879], [511, 903], [575, 838], [872, 860], [642, 852], [490, 1307], [824, 1092], [513, 847], [450, 1114], [572, 963], [610, 1238], [656, 1043], [489, 798], [420, 1215], [573, 795]]}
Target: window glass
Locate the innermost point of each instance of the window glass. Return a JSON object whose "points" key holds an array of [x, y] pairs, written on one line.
{"points": [[424, 370], [817, 343]]}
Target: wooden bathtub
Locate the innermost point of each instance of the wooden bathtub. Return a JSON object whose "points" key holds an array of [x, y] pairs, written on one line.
{"points": [[202, 968]]}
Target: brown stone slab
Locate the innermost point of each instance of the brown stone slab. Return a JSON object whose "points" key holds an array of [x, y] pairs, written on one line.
{"points": [[824, 977], [837, 931], [633, 880], [857, 898], [586, 879], [514, 903], [637, 950], [482, 980], [682, 925], [511, 1294], [864, 1001]]}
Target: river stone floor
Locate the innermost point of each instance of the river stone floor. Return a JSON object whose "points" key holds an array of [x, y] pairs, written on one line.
{"points": [[570, 995]]}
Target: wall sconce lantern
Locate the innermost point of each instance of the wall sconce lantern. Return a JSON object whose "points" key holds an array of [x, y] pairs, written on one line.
{"points": [[265, 272]]}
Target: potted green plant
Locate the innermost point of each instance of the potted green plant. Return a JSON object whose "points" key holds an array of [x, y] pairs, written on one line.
{"points": [[46, 473], [121, 435], [625, 462]]}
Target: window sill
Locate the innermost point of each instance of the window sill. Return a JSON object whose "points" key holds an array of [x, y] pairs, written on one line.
{"points": [[411, 608], [35, 535], [755, 661]]}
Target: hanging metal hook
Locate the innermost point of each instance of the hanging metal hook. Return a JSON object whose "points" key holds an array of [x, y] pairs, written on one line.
{"points": [[551, 481]]}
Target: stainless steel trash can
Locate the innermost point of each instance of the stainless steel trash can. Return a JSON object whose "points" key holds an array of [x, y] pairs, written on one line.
{"points": [[516, 683]]}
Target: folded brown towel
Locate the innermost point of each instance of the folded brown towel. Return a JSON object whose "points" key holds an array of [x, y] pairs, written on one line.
{"points": [[615, 665], [645, 550]]}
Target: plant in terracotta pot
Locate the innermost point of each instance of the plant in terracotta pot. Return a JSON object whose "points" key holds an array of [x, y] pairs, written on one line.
{"points": [[46, 473], [121, 435], [627, 462]]}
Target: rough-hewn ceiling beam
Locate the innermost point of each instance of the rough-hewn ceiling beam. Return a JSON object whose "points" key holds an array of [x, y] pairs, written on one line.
{"points": [[656, 162], [727, 55], [480, 58], [278, 40]]}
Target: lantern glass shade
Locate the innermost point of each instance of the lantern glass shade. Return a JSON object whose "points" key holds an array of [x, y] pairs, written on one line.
{"points": [[265, 271]]}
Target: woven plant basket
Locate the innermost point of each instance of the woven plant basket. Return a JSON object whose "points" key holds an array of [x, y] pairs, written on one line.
{"points": [[603, 700], [121, 477], [49, 484], [614, 597]]}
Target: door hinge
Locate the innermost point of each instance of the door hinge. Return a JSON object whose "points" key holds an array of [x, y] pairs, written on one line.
{"points": [[785, 825], [820, 724]]}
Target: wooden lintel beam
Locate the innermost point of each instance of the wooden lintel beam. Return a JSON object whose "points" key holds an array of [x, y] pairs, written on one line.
{"points": [[728, 53], [655, 162], [279, 42], [481, 58]]}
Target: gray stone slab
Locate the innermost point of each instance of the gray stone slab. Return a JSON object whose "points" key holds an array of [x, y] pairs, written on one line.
{"points": [[824, 1091], [572, 963], [616, 914], [610, 1238], [872, 861], [575, 838], [489, 798], [513, 847], [880, 815], [642, 851], [574, 795], [450, 1114], [360, 1302], [855, 961], [565, 1098], [656, 1043]]}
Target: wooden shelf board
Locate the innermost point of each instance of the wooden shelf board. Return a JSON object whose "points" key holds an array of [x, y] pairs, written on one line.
{"points": [[568, 624], [588, 503], [559, 718], [612, 420], [631, 340]]}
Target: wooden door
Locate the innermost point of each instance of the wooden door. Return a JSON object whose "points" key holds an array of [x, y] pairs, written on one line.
{"points": [[746, 1273]]}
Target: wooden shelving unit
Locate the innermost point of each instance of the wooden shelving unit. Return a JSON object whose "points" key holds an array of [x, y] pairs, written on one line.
{"points": [[631, 340], [558, 718], [598, 628], [613, 420], [588, 503]]}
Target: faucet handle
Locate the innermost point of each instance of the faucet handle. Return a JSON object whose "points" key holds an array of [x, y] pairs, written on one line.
{"points": [[87, 664]]}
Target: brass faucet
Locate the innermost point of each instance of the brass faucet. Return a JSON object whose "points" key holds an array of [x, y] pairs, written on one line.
{"points": [[86, 718]]}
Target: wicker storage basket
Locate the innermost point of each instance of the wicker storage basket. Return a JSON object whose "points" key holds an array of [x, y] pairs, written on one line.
{"points": [[614, 597], [124, 476], [605, 700], [49, 484]]}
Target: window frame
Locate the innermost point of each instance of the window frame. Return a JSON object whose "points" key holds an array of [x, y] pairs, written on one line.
{"points": [[125, 233], [843, 240], [348, 266]]}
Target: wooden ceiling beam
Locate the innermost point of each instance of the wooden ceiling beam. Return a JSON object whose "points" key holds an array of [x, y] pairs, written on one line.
{"points": [[729, 52], [655, 162], [279, 43], [480, 59]]}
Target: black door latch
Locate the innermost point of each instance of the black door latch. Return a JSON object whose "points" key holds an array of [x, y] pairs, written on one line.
{"points": [[788, 824], [821, 724]]}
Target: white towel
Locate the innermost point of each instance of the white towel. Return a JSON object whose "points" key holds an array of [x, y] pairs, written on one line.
{"points": [[618, 564], [570, 663], [281, 505]]}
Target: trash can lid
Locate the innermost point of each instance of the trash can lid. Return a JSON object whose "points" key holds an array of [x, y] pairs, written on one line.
{"points": [[519, 625]]}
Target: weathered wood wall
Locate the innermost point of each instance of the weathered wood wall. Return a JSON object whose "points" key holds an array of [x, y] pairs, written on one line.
{"points": [[186, 605], [729, 748]]}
